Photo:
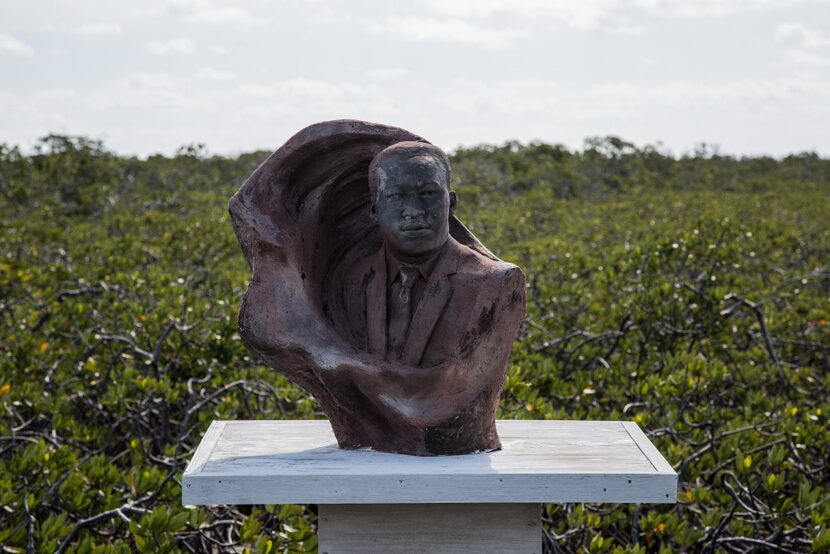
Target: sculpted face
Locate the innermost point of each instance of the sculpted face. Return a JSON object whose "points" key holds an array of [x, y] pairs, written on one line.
{"points": [[413, 205]]}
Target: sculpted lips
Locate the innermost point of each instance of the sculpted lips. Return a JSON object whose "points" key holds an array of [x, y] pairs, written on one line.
{"points": [[414, 226]]}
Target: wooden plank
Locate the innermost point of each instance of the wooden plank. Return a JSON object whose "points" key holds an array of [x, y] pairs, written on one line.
{"points": [[274, 462], [648, 449], [308, 447], [206, 447], [434, 528]]}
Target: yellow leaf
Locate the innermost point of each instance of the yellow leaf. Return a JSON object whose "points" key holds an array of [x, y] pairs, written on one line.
{"points": [[5, 389], [43, 346]]}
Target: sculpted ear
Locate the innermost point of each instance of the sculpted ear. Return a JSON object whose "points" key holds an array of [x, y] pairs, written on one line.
{"points": [[453, 202]]}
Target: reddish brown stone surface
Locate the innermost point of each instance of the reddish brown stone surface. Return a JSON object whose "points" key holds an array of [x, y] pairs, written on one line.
{"points": [[318, 305]]}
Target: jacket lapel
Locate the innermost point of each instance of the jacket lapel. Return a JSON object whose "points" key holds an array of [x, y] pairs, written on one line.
{"points": [[436, 295], [376, 307]]}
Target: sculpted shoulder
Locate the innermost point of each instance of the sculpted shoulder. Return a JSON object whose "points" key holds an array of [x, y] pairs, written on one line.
{"points": [[475, 268]]}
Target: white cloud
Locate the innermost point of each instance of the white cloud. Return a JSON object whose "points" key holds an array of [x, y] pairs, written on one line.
{"points": [[218, 49], [10, 44], [805, 58], [624, 100], [524, 8], [145, 91], [613, 16], [187, 4], [32, 115], [181, 45], [805, 41], [682, 94], [57, 95], [155, 92], [387, 72], [588, 11], [603, 15], [801, 34], [711, 8], [99, 28], [215, 74], [508, 97], [200, 11], [179, 7], [224, 16], [423, 29], [295, 87]]}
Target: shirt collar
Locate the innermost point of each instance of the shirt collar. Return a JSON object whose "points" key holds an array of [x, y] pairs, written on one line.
{"points": [[393, 266]]}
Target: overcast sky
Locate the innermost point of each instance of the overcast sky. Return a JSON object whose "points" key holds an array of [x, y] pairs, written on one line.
{"points": [[752, 76]]}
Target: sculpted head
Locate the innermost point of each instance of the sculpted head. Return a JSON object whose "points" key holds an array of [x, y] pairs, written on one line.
{"points": [[411, 198]]}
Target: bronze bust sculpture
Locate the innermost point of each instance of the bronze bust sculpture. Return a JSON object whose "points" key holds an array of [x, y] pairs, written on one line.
{"points": [[369, 293]]}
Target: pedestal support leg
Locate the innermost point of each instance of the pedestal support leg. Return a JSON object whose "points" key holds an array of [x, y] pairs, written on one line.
{"points": [[431, 528]]}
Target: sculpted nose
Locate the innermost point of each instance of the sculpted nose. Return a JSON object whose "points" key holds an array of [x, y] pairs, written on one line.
{"points": [[412, 208]]}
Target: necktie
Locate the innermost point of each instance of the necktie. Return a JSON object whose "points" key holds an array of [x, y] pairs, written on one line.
{"points": [[400, 311], [408, 276]]}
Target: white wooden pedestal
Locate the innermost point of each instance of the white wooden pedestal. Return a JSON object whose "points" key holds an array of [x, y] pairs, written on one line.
{"points": [[377, 502]]}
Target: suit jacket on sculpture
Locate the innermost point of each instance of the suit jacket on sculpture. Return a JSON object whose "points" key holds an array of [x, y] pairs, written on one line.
{"points": [[471, 307], [463, 287]]}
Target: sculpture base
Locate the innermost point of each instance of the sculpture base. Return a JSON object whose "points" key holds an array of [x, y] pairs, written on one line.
{"points": [[434, 528], [378, 502]]}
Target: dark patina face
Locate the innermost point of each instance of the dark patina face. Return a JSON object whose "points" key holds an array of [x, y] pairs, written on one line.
{"points": [[413, 205]]}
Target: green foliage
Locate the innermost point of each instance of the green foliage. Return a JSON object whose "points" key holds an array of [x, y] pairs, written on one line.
{"points": [[689, 295]]}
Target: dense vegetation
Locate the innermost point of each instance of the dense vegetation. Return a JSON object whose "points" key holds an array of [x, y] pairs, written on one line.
{"points": [[691, 295]]}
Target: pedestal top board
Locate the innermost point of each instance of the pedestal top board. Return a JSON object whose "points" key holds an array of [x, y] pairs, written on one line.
{"points": [[298, 462]]}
